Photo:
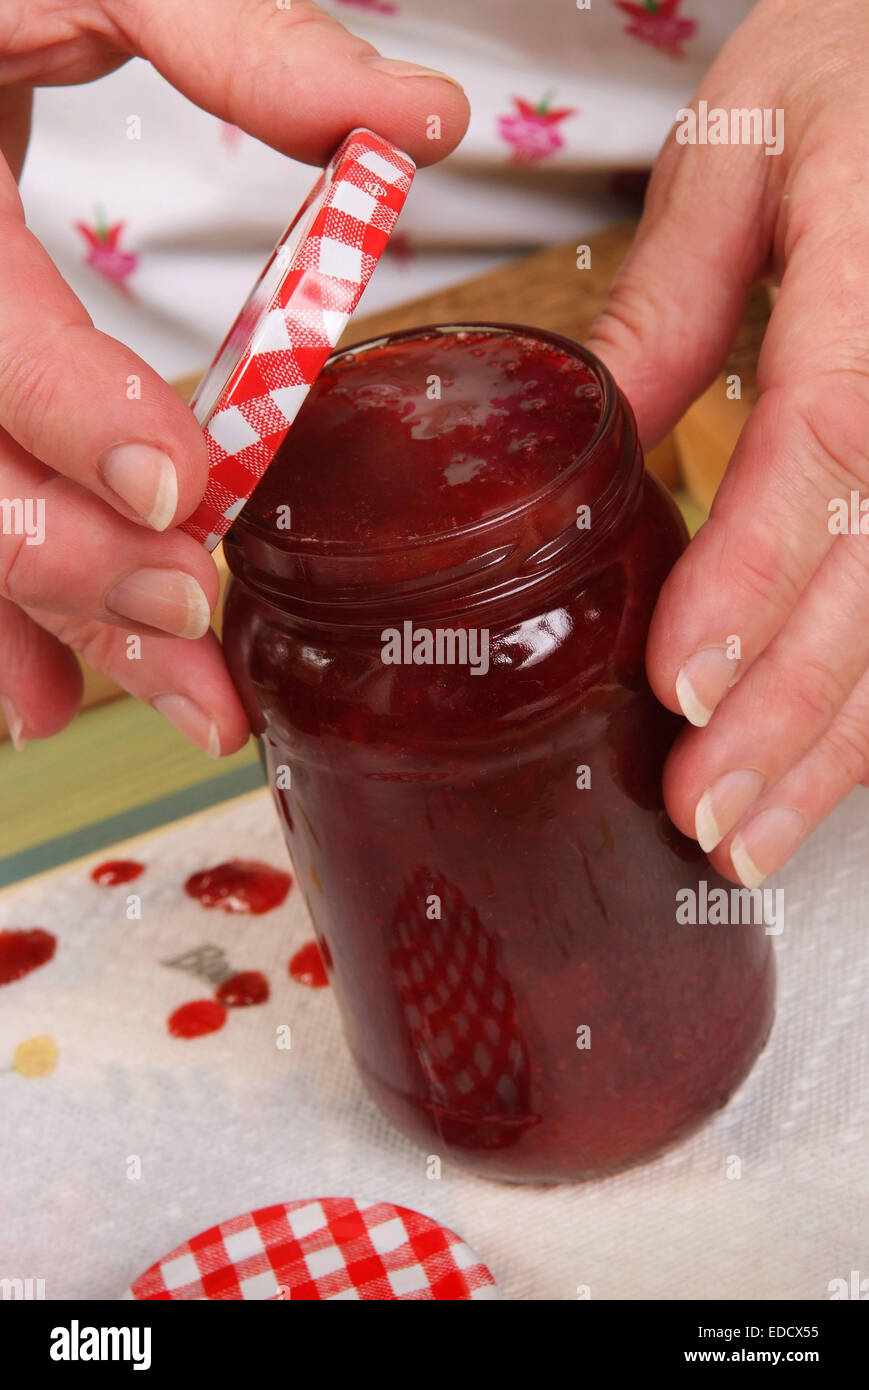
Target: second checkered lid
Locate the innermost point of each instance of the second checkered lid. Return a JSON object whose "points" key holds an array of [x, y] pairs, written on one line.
{"points": [[321, 1248], [292, 320]]}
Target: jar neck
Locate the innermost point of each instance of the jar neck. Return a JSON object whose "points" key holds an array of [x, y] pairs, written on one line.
{"points": [[555, 535]]}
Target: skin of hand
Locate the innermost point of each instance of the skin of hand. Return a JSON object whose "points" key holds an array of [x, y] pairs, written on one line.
{"points": [[117, 476], [782, 733]]}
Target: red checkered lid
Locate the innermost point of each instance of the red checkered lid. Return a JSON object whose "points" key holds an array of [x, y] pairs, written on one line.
{"points": [[292, 320], [326, 1247]]}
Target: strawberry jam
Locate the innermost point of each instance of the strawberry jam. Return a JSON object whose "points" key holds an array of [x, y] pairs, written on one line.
{"points": [[440, 599]]}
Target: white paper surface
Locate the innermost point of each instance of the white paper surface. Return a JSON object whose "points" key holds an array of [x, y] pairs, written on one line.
{"points": [[227, 1123]]}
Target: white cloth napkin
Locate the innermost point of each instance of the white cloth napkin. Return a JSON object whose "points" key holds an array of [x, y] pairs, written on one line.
{"points": [[229, 1122]]}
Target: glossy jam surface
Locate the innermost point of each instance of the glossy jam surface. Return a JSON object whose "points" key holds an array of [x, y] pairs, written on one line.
{"points": [[197, 1018], [244, 988], [115, 871], [23, 950], [307, 967], [473, 426], [486, 858], [239, 885]]}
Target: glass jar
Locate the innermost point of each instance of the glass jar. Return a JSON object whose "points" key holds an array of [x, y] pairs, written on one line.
{"points": [[437, 619]]}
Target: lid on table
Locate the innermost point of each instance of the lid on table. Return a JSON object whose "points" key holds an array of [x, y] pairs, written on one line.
{"points": [[292, 320], [321, 1248]]}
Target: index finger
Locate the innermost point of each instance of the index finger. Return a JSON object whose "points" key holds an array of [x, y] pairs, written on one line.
{"points": [[82, 403], [292, 76]]}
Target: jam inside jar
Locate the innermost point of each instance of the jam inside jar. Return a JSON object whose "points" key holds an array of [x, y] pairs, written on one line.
{"points": [[437, 618]]}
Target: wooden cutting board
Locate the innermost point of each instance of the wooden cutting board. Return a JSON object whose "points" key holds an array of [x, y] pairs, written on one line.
{"points": [[547, 289]]}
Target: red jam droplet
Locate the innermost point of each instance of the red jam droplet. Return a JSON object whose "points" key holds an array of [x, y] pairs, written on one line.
{"points": [[116, 871], [23, 951], [307, 967], [242, 885], [247, 987], [196, 1019]]}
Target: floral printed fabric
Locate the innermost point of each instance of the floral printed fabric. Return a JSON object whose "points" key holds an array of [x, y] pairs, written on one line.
{"points": [[658, 22], [533, 130], [104, 254], [160, 216]]}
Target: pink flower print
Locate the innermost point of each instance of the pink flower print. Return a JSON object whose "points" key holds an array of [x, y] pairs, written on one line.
{"points": [[656, 22], [104, 255], [531, 130]]}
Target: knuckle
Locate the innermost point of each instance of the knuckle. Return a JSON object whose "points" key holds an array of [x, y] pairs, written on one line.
{"points": [[13, 583], [847, 744], [623, 325], [94, 641], [97, 643], [836, 415], [30, 382], [762, 580], [817, 693]]}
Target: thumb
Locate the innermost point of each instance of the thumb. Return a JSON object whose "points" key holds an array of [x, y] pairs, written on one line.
{"points": [[292, 76], [679, 297]]}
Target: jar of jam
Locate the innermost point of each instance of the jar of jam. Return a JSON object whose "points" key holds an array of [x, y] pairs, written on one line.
{"points": [[437, 619]]}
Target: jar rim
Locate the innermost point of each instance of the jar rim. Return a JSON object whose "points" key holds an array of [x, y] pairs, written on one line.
{"points": [[316, 546]]}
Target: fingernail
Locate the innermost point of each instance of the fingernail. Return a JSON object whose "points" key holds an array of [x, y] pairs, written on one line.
{"points": [[168, 599], [14, 723], [145, 478], [766, 843], [190, 721], [397, 67], [722, 804], [703, 682]]}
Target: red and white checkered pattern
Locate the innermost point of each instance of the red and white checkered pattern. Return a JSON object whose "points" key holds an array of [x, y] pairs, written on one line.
{"points": [[329, 1247], [292, 321], [460, 1015]]}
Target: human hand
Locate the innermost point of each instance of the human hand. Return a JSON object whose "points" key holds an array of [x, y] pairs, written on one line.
{"points": [[116, 476], [789, 736]]}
